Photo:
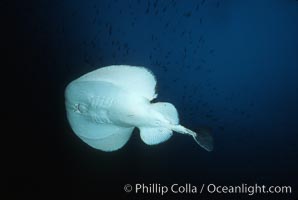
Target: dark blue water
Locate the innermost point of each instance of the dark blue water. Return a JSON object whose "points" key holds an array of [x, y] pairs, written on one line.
{"points": [[230, 65]]}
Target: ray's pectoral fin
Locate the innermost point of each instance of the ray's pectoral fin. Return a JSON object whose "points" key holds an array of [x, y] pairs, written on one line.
{"points": [[112, 142], [204, 138]]}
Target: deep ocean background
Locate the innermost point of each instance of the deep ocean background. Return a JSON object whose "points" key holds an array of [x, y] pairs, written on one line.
{"points": [[227, 64]]}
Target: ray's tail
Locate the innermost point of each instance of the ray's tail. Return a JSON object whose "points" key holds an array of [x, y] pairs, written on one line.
{"points": [[202, 136]]}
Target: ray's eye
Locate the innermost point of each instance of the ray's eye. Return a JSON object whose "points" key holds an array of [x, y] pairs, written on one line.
{"points": [[82, 108], [157, 122]]}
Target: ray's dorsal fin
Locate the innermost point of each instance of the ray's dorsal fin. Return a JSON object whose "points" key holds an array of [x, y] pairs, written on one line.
{"points": [[132, 78]]}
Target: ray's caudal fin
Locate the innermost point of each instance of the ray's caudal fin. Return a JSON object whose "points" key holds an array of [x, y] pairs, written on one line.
{"points": [[202, 136]]}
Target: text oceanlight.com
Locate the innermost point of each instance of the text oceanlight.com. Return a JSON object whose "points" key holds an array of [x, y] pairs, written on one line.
{"points": [[188, 188]]}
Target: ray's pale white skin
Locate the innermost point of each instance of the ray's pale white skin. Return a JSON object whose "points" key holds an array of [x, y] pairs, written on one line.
{"points": [[104, 106]]}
